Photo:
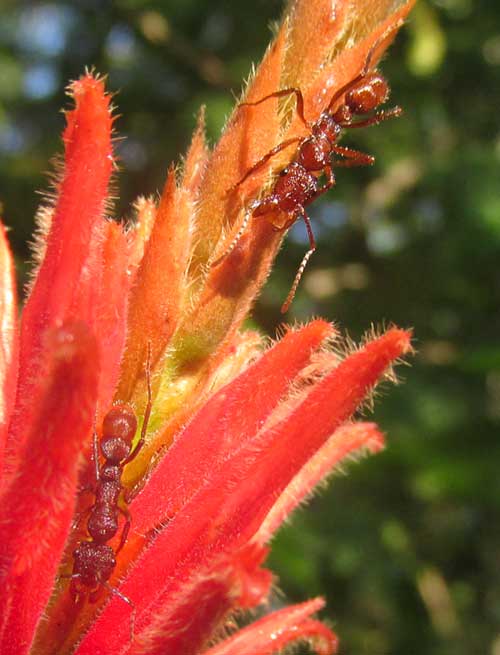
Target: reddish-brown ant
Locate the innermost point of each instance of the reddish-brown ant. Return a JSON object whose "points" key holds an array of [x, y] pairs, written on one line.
{"points": [[94, 560], [298, 184]]}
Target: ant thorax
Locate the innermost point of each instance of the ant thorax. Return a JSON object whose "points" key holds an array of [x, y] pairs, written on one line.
{"points": [[327, 127], [315, 152]]}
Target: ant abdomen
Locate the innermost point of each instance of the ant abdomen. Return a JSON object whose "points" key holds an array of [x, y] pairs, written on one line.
{"points": [[118, 430], [120, 423], [368, 95]]}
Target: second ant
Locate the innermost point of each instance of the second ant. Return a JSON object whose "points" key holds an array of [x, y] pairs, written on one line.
{"points": [[94, 559]]}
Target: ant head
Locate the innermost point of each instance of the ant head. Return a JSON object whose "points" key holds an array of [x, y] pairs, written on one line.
{"points": [[94, 564], [371, 92], [120, 422], [327, 126]]}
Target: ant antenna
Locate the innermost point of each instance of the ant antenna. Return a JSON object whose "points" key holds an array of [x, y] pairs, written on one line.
{"points": [[300, 271], [127, 600], [95, 447], [235, 241], [149, 404], [147, 411]]}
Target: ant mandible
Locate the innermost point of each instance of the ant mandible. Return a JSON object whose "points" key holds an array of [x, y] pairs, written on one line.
{"points": [[298, 184], [94, 560]]}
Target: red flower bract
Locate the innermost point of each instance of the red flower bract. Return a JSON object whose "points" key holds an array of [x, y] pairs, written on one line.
{"points": [[239, 434]]}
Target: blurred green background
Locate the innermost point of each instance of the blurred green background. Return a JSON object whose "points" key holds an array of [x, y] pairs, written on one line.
{"points": [[406, 548]]}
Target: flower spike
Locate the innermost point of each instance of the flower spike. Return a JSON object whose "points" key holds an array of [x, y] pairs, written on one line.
{"points": [[36, 509], [152, 446]]}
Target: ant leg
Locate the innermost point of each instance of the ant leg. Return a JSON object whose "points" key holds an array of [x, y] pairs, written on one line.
{"points": [[96, 594], [303, 264], [115, 592], [352, 157], [96, 455], [281, 146], [75, 594], [129, 494], [80, 516], [299, 99], [330, 182], [376, 118], [126, 528], [147, 411]]}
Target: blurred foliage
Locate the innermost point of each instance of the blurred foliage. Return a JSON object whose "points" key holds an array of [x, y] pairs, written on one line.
{"points": [[406, 547]]}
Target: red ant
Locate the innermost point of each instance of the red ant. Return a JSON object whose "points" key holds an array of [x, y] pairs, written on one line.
{"points": [[298, 184], [95, 560]]}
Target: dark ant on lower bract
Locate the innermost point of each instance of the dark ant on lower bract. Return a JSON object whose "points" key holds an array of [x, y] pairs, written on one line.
{"points": [[94, 560], [298, 185]]}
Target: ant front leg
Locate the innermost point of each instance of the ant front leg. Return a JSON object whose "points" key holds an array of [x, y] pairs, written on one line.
{"points": [[330, 182], [352, 157], [75, 593], [81, 515], [377, 118]]}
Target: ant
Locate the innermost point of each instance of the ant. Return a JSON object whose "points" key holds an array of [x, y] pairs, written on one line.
{"points": [[94, 560], [297, 185]]}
